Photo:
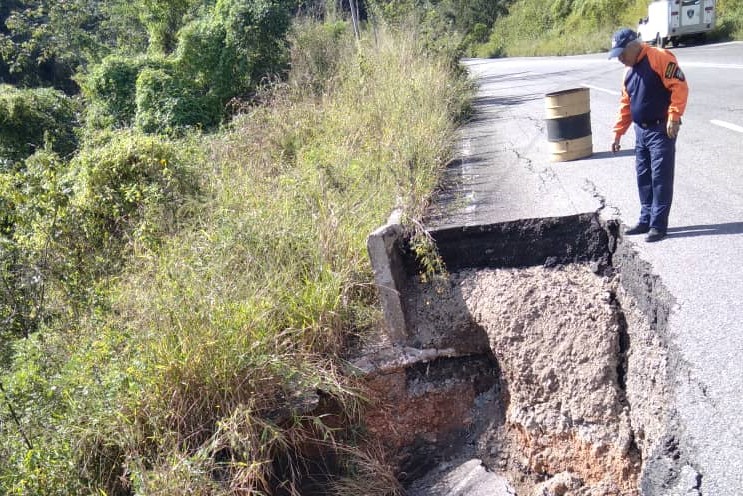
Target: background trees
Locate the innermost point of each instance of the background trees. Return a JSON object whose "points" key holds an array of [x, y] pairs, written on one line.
{"points": [[45, 42]]}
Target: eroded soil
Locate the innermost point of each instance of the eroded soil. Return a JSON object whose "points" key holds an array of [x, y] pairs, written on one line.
{"points": [[556, 419]]}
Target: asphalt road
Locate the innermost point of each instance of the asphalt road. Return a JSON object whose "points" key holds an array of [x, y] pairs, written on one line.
{"points": [[505, 174]]}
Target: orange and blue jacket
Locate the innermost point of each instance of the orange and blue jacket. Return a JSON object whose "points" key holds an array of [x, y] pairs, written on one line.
{"points": [[654, 89]]}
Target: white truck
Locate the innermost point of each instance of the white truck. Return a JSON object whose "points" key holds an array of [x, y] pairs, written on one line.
{"points": [[669, 21]]}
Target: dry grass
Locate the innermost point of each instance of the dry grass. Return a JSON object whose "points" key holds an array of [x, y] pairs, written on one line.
{"points": [[219, 368]]}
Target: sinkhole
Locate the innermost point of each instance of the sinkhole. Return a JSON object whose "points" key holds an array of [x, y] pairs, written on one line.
{"points": [[539, 366]]}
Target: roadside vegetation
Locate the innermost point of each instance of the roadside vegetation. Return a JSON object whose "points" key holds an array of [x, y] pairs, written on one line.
{"points": [[567, 27], [731, 19], [182, 240]]}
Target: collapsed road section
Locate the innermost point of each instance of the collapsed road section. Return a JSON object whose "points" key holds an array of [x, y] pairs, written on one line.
{"points": [[540, 365]]}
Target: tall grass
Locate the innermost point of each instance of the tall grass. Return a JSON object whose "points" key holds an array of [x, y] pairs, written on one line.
{"points": [[218, 365]]}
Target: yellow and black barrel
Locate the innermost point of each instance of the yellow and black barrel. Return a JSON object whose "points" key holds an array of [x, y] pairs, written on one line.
{"points": [[568, 115]]}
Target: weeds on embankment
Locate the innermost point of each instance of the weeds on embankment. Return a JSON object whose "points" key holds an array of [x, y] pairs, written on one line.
{"points": [[213, 362], [569, 27]]}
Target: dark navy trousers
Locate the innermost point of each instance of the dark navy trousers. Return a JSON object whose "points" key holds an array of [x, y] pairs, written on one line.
{"points": [[655, 155]]}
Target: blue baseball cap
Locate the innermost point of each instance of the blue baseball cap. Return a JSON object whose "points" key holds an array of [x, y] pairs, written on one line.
{"points": [[620, 40]]}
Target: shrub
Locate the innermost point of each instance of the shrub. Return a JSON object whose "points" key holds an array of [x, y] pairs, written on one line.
{"points": [[221, 55], [256, 32], [202, 56], [59, 389], [31, 119], [132, 187], [67, 225], [167, 103], [34, 203], [227, 52], [110, 89]]}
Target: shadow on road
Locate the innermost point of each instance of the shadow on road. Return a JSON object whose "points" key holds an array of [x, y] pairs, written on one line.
{"points": [[608, 154], [705, 230], [506, 100]]}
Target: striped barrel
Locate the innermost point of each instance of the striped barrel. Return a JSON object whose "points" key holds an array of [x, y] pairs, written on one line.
{"points": [[568, 116]]}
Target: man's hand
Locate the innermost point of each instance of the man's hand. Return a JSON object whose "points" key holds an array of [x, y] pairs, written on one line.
{"points": [[615, 146], [672, 128]]}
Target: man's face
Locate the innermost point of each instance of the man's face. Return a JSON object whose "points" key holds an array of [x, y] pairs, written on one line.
{"points": [[628, 56]]}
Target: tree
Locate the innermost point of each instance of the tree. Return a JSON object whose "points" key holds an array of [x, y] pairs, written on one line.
{"points": [[164, 18], [222, 54], [45, 42], [469, 13], [34, 119]]}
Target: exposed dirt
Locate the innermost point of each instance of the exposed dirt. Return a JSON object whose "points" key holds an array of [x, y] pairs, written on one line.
{"points": [[556, 421], [425, 411], [556, 335]]}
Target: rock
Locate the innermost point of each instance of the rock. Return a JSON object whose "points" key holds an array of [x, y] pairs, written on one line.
{"points": [[465, 479], [559, 485]]}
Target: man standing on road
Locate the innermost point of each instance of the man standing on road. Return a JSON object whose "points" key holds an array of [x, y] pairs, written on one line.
{"points": [[654, 94]]}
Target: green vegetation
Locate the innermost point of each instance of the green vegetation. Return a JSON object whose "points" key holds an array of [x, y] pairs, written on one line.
{"points": [[68, 224], [183, 224], [45, 42], [559, 27], [454, 26], [565, 27], [730, 20], [218, 56], [110, 89], [35, 119], [170, 304]]}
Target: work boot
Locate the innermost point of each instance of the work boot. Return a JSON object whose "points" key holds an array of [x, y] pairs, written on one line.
{"points": [[655, 235], [639, 228]]}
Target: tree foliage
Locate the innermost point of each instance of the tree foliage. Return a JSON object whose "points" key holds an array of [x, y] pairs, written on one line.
{"points": [[110, 89], [31, 120], [221, 55], [45, 42], [469, 13], [446, 22], [163, 19], [68, 223]]}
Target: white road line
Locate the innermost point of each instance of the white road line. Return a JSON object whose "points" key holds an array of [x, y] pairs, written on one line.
{"points": [[727, 125], [611, 92], [711, 65], [716, 45]]}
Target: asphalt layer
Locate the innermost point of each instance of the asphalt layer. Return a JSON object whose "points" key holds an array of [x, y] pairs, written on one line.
{"points": [[504, 174]]}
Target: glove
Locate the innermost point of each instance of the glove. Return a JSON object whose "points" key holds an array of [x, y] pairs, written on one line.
{"points": [[615, 147], [672, 128]]}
